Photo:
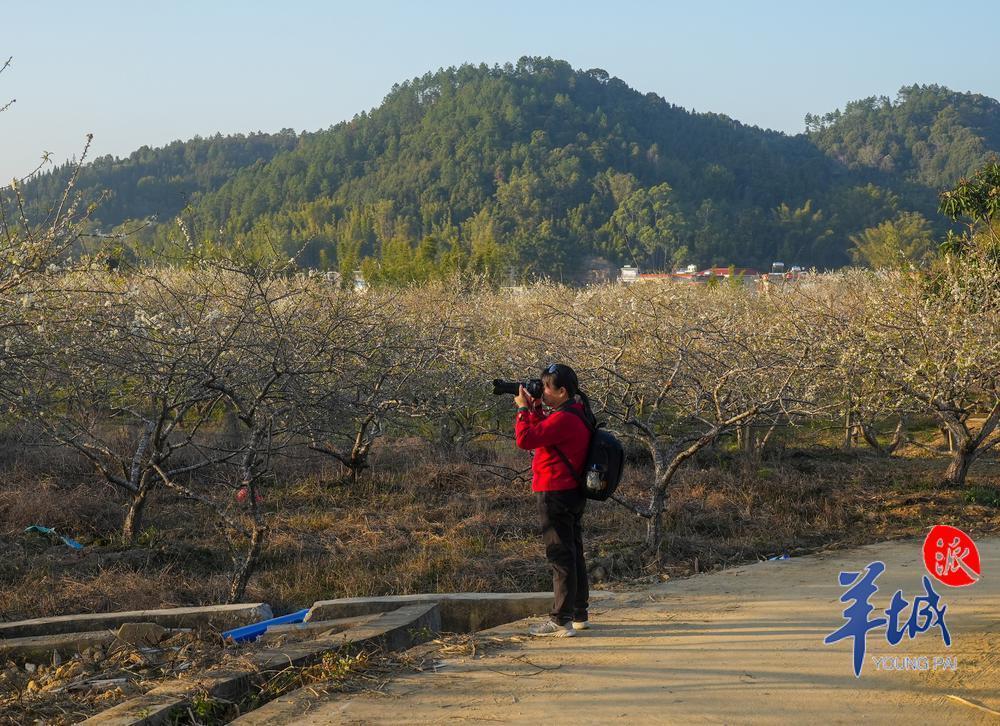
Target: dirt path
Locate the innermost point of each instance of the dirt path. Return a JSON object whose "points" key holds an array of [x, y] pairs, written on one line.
{"points": [[740, 646]]}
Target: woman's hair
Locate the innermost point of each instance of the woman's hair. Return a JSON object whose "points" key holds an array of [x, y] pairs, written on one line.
{"points": [[562, 376]]}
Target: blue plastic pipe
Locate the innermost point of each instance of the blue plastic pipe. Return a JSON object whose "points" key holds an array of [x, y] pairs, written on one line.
{"points": [[68, 541], [250, 633]]}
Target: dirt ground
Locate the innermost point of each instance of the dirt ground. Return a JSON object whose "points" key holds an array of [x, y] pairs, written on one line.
{"points": [[744, 645]]}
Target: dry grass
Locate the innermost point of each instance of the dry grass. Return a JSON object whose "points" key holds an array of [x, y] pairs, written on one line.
{"points": [[67, 692], [421, 521]]}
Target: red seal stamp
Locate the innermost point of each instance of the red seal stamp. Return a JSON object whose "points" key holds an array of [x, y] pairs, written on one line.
{"points": [[951, 557]]}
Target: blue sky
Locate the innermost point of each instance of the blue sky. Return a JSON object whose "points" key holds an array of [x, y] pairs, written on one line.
{"points": [[142, 73]]}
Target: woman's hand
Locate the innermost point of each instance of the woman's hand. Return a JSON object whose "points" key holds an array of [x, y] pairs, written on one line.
{"points": [[522, 398]]}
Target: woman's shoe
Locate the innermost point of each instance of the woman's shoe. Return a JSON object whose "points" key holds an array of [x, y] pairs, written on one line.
{"points": [[550, 628]]}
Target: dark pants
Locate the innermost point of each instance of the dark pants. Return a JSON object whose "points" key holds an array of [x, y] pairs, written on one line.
{"points": [[562, 532]]}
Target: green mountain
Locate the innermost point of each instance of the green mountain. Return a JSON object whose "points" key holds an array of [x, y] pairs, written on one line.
{"points": [[158, 182], [530, 168], [928, 137]]}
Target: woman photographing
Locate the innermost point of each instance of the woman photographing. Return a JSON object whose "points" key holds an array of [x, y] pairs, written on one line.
{"points": [[560, 437]]}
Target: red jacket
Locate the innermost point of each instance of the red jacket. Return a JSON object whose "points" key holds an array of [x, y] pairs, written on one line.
{"points": [[535, 430]]}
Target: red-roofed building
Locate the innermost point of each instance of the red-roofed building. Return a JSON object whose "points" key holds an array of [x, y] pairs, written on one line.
{"points": [[746, 275]]}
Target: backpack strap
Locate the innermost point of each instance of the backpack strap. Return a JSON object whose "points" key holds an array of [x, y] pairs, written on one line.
{"points": [[570, 409], [577, 477]]}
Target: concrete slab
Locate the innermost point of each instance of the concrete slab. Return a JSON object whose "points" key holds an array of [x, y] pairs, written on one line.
{"points": [[397, 630], [282, 710], [319, 628], [218, 617], [39, 648], [400, 629], [163, 704], [461, 612]]}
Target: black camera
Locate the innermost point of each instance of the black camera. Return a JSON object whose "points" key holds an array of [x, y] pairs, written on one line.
{"points": [[533, 386]]}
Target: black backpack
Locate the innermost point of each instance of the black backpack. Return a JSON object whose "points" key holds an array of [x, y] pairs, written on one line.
{"points": [[605, 461]]}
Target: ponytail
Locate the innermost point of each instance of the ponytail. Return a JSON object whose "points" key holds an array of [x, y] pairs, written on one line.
{"points": [[587, 410]]}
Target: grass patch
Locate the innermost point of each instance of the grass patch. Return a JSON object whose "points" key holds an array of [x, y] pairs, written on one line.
{"points": [[987, 496]]}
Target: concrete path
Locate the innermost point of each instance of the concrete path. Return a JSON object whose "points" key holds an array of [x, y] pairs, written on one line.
{"points": [[740, 646]]}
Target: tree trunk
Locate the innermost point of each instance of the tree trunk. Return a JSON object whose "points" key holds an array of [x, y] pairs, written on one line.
{"points": [[871, 437], [455, 432], [663, 472], [946, 434], [232, 427], [899, 437], [360, 449], [134, 515], [359, 462], [654, 527], [961, 460], [965, 446], [245, 569], [447, 434], [761, 445]]}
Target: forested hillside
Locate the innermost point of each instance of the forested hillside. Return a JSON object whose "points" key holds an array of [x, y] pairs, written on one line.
{"points": [[162, 181], [929, 136], [531, 168]]}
